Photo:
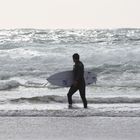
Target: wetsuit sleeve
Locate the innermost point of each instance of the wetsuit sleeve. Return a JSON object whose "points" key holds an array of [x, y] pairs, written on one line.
{"points": [[79, 73]]}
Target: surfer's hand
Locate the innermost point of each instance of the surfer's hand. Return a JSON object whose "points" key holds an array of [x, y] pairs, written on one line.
{"points": [[75, 83]]}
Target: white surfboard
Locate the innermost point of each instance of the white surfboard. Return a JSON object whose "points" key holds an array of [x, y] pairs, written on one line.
{"points": [[65, 79]]}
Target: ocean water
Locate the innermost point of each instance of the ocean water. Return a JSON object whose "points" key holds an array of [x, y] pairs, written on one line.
{"points": [[29, 56]]}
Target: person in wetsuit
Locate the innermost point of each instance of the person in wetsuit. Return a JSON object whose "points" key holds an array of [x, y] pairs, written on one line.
{"points": [[79, 81]]}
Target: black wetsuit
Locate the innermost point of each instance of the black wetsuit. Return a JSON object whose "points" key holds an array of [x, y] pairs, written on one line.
{"points": [[78, 72]]}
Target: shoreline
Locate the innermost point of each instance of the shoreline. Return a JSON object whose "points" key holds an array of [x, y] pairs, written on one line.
{"points": [[61, 110]]}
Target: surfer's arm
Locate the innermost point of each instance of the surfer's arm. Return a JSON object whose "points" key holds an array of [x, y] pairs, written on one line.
{"points": [[78, 75]]}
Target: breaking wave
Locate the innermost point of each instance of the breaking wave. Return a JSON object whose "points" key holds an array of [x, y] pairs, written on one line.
{"points": [[9, 85], [62, 99]]}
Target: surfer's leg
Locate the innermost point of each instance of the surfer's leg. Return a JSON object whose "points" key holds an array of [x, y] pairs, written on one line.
{"points": [[83, 96], [72, 90]]}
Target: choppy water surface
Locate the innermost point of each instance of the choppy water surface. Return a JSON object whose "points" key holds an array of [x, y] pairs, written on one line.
{"points": [[29, 56]]}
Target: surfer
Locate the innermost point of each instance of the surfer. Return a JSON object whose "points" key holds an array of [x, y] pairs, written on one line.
{"points": [[79, 81]]}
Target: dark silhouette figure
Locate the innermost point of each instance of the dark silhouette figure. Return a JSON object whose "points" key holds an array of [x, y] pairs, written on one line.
{"points": [[79, 81]]}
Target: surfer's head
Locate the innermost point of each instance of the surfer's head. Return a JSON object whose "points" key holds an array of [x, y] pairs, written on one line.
{"points": [[76, 57]]}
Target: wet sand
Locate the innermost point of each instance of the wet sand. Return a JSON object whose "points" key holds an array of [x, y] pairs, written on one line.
{"points": [[69, 128]]}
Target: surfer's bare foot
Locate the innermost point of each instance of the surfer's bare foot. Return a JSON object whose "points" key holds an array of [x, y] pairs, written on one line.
{"points": [[70, 106], [85, 107]]}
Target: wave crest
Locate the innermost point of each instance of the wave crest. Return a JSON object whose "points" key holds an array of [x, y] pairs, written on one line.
{"points": [[9, 85], [63, 99]]}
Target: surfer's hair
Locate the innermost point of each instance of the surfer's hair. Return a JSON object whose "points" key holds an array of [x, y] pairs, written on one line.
{"points": [[76, 56]]}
